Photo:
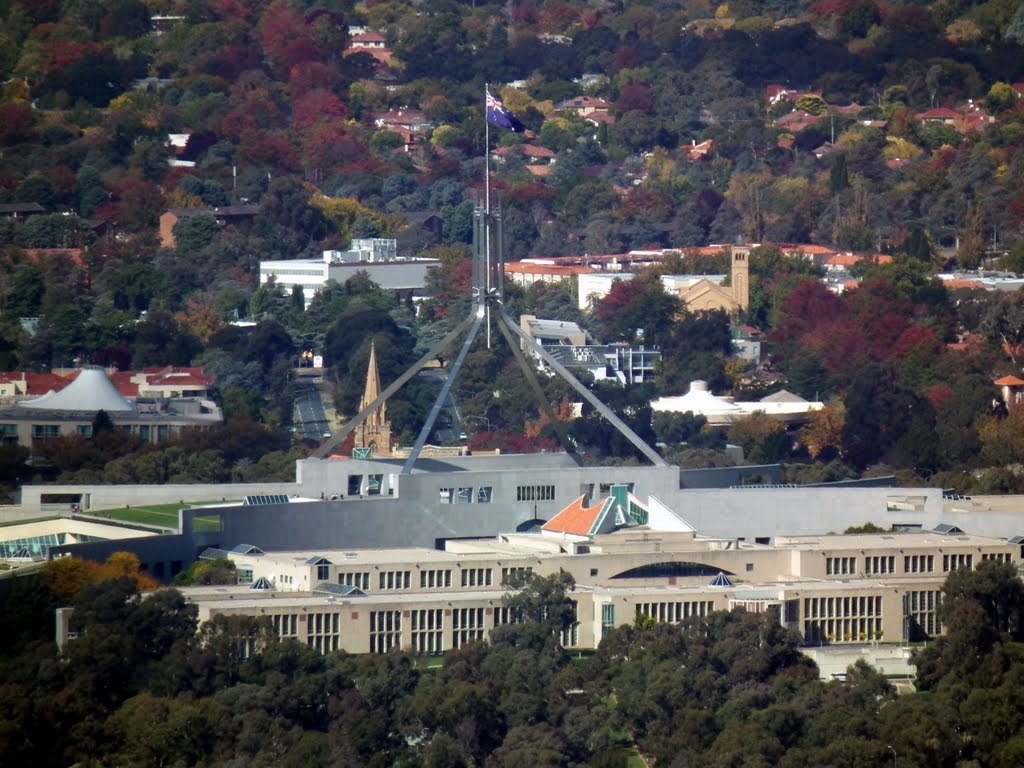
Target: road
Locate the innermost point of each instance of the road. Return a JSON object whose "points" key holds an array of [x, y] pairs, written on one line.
{"points": [[308, 412]]}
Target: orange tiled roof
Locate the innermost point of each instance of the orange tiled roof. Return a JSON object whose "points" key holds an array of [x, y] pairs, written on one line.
{"points": [[122, 381], [939, 113], [517, 268], [576, 519], [41, 383]]}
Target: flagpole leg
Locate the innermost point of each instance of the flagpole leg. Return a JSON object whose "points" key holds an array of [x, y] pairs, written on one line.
{"points": [[487, 213]]}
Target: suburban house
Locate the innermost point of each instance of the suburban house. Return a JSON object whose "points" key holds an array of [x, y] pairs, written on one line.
{"points": [[226, 216], [20, 210]]}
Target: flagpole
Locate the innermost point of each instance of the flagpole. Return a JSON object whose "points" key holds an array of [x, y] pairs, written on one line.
{"points": [[487, 154], [487, 212]]}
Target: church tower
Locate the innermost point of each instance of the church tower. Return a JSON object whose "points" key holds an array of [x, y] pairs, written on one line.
{"points": [[374, 434], [741, 277]]}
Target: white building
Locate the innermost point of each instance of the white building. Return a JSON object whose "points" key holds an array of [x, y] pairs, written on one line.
{"points": [[374, 256], [784, 406]]}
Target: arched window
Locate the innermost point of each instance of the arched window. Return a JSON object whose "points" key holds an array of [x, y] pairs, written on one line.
{"points": [[665, 570]]}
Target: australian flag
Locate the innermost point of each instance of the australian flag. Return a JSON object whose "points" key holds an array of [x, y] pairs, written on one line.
{"points": [[501, 117]]}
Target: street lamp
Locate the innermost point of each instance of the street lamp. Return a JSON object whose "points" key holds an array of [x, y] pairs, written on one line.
{"points": [[889, 746], [479, 418]]}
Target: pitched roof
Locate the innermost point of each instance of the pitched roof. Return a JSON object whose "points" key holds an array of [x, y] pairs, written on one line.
{"points": [[1008, 381], [939, 113], [782, 396], [578, 519], [21, 208]]}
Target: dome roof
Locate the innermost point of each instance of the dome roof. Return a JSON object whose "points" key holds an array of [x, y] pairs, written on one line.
{"points": [[90, 391]]}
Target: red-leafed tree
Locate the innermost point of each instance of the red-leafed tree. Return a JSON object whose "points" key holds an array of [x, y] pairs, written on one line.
{"points": [[317, 106], [285, 38], [235, 124], [636, 308], [556, 17], [270, 149], [309, 76], [135, 205], [331, 145], [808, 306], [635, 97], [16, 123]]}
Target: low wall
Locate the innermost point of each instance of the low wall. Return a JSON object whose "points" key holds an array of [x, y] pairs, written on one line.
{"points": [[100, 497], [15, 513]]}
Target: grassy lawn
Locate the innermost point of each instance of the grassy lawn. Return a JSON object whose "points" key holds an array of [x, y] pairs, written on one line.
{"points": [[429, 662], [158, 515]]}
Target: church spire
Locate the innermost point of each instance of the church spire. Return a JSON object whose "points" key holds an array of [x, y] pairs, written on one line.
{"points": [[372, 391]]}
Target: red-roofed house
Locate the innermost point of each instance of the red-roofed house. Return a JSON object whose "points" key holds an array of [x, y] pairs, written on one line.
{"points": [[172, 382], [796, 121], [584, 106], [975, 121], [940, 115], [696, 151], [371, 43], [527, 273], [410, 119], [850, 110], [368, 40], [529, 151]]}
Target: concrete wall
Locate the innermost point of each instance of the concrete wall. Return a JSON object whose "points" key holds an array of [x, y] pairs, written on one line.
{"points": [[726, 477], [764, 512], [99, 497]]}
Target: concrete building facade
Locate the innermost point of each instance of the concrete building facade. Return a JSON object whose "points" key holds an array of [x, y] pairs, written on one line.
{"points": [[375, 257], [832, 589]]}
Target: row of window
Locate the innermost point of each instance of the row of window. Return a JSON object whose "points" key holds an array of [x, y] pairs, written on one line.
{"points": [[477, 577], [464, 495], [957, 562], [507, 572], [885, 564], [840, 566], [675, 612], [282, 271], [535, 493], [394, 579], [999, 557], [357, 579], [385, 631], [432, 579], [842, 607], [855, 630], [919, 563], [467, 626], [428, 630], [879, 564], [921, 609], [9, 432]]}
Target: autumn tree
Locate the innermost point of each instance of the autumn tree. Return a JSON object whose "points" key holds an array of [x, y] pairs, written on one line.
{"points": [[762, 438], [822, 434]]}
